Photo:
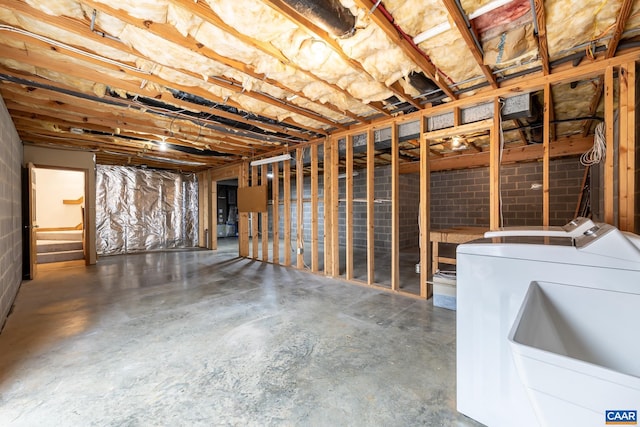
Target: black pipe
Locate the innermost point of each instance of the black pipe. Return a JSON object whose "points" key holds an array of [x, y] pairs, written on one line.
{"points": [[328, 14]]}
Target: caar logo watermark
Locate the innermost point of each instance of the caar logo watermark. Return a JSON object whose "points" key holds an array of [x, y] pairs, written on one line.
{"points": [[620, 417]]}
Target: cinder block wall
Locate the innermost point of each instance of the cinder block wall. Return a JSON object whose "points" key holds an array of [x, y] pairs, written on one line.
{"points": [[461, 198], [458, 198], [10, 212], [409, 201]]}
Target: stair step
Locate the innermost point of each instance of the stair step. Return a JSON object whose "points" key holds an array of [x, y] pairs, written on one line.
{"points": [[48, 257], [45, 246], [75, 235]]}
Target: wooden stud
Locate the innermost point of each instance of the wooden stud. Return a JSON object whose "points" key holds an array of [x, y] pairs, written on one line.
{"points": [[211, 217], [335, 208], [370, 208], [546, 140], [264, 228], [254, 217], [314, 209], [626, 152], [286, 173], [243, 217], [494, 168], [214, 212], [299, 208], [426, 289], [609, 217], [349, 208], [395, 210], [275, 213], [328, 246]]}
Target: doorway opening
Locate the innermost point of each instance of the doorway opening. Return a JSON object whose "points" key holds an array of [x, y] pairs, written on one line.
{"points": [[60, 215], [227, 214]]}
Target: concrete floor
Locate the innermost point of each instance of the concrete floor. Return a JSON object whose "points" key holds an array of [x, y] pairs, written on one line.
{"points": [[206, 338]]}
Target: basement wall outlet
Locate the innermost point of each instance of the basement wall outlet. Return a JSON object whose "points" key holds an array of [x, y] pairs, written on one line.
{"points": [[300, 251]]}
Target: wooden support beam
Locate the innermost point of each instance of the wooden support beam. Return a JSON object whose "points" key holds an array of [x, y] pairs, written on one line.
{"points": [[349, 208], [335, 208], [543, 47], [202, 10], [371, 273], [395, 210], [299, 208], [254, 217], [264, 229], [546, 140], [243, 217], [563, 147], [609, 214], [426, 289], [494, 169], [286, 188], [328, 224], [214, 213], [409, 49], [314, 208], [460, 130], [275, 213], [626, 153], [460, 22], [621, 22]]}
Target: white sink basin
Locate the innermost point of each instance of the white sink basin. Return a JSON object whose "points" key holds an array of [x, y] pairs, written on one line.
{"points": [[577, 351]]}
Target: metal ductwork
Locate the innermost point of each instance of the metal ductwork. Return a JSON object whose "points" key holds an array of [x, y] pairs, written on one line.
{"points": [[422, 83], [328, 14]]}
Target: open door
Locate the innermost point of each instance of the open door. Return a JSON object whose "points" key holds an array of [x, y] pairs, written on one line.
{"points": [[31, 226]]}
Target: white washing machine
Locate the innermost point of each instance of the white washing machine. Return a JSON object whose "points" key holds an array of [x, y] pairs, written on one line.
{"points": [[494, 276]]}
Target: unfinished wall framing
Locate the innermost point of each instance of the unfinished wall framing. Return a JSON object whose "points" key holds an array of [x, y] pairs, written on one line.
{"points": [[326, 211]]}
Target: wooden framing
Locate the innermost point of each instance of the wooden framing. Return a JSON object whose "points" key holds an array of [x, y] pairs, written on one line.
{"points": [[275, 213], [494, 167], [314, 209], [286, 188], [349, 208], [609, 159], [299, 208], [627, 164], [243, 217], [546, 140], [328, 246], [264, 229], [494, 157], [335, 209], [395, 210], [254, 217], [426, 289]]}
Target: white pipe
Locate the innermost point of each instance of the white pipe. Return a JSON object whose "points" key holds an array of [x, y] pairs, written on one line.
{"points": [[269, 160], [445, 26]]}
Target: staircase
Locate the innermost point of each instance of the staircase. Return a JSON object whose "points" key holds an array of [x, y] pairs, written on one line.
{"points": [[57, 246]]}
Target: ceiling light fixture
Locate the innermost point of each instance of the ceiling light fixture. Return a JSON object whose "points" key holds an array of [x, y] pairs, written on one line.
{"points": [[458, 143], [269, 160]]}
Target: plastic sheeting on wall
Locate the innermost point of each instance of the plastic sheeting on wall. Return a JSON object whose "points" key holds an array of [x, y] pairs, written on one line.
{"points": [[143, 209]]}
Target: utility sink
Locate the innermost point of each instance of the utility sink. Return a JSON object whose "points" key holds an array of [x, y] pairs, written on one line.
{"points": [[577, 351]]}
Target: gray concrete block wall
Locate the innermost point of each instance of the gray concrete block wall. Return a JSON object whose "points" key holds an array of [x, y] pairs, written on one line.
{"points": [[461, 198], [409, 201], [10, 212]]}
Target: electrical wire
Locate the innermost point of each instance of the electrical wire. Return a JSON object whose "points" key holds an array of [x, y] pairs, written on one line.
{"points": [[596, 153], [73, 49]]}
